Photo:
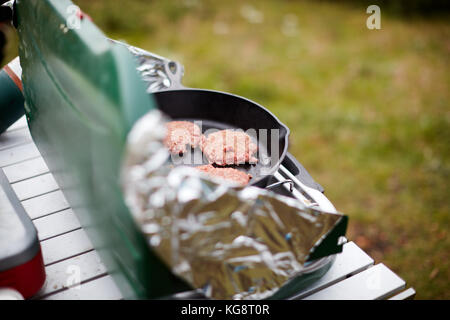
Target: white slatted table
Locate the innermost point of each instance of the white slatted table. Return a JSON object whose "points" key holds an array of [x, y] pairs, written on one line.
{"points": [[65, 244]]}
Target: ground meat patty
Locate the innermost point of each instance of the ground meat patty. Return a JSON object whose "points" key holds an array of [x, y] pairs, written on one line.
{"points": [[229, 174], [180, 134], [228, 147]]}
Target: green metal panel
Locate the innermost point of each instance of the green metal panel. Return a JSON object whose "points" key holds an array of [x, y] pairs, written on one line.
{"points": [[83, 95]]}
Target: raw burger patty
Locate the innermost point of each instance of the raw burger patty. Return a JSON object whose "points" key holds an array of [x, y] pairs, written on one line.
{"points": [[180, 134], [228, 147], [229, 174]]}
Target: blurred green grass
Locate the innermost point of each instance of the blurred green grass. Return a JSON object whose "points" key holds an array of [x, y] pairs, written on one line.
{"points": [[368, 109]]}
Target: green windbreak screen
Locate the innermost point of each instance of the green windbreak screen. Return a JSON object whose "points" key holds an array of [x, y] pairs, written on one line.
{"points": [[82, 96]]}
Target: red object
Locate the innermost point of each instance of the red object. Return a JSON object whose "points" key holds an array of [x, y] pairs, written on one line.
{"points": [[14, 77], [27, 278], [81, 15]]}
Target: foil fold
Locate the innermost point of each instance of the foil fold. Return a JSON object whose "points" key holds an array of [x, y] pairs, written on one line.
{"points": [[230, 242]]}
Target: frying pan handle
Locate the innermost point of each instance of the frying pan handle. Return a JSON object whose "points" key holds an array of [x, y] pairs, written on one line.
{"points": [[300, 172], [175, 71], [158, 72]]}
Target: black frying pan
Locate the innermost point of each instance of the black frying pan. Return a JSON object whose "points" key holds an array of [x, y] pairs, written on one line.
{"points": [[216, 110], [219, 110]]}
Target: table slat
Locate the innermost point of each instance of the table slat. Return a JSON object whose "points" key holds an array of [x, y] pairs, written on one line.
{"points": [[34, 187], [351, 261], [102, 288], [374, 283], [17, 154], [25, 170], [60, 275], [45, 204], [65, 246], [19, 124], [56, 224], [10, 139], [408, 294]]}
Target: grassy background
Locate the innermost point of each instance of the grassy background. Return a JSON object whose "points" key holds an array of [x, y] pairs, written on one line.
{"points": [[368, 109]]}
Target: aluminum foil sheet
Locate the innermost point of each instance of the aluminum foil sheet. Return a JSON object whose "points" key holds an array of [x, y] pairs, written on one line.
{"points": [[230, 242]]}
